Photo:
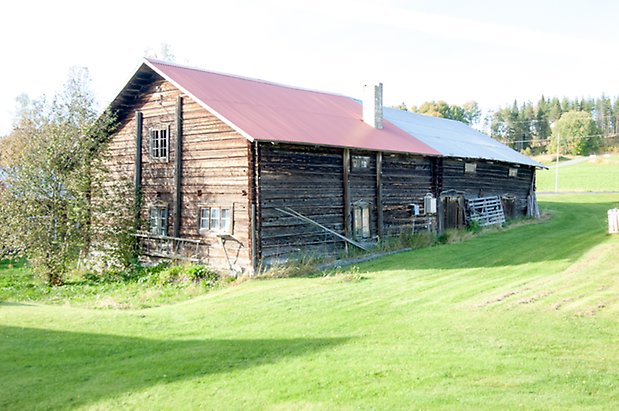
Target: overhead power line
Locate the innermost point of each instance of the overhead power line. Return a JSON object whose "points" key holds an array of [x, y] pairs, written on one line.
{"points": [[547, 140]]}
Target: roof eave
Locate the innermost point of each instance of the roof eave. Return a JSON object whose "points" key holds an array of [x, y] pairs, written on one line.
{"points": [[266, 140]]}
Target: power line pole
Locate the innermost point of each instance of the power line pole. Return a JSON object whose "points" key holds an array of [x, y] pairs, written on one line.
{"points": [[557, 164]]}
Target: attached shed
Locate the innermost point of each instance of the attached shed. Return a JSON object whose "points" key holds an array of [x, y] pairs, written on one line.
{"points": [[238, 172]]}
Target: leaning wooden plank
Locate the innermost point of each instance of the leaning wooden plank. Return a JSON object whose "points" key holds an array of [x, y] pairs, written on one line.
{"points": [[293, 213]]}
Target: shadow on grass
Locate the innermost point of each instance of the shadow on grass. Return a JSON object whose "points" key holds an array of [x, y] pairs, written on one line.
{"points": [[52, 369], [572, 231]]}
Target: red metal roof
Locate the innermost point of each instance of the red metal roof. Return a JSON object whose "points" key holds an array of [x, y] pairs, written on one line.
{"points": [[266, 111]]}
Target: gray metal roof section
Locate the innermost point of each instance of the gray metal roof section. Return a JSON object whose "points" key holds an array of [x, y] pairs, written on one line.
{"points": [[455, 139]]}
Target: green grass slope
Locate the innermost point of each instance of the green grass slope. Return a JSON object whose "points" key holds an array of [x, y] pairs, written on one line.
{"points": [[596, 174], [521, 319]]}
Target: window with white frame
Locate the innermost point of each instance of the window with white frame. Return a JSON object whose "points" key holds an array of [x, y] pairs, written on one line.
{"points": [[158, 220], [360, 162], [361, 220], [470, 168], [205, 218], [513, 172], [159, 142], [216, 219]]}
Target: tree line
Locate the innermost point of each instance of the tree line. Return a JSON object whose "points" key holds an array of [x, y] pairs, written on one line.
{"points": [[578, 126], [582, 126]]}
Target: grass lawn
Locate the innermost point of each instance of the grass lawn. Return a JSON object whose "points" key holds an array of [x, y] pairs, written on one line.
{"points": [[150, 289], [526, 318], [596, 174]]}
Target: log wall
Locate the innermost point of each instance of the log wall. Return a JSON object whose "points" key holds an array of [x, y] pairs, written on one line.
{"points": [[406, 179], [309, 181], [490, 178], [362, 183], [214, 171], [220, 168]]}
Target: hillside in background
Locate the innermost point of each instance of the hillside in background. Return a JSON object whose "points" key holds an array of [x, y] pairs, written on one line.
{"points": [[580, 174]]}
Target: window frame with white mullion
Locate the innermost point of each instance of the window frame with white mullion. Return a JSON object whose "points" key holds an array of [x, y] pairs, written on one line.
{"points": [[215, 219], [470, 167], [156, 136], [158, 220], [360, 162]]}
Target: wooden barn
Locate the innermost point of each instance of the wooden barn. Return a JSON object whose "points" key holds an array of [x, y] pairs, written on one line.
{"points": [[238, 172]]}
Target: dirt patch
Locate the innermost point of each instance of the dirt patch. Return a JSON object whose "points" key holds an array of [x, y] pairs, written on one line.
{"points": [[500, 298], [592, 311], [110, 303], [535, 297]]}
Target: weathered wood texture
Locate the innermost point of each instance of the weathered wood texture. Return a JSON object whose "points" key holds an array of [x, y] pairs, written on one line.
{"points": [[363, 187], [489, 179], [178, 168], [215, 173], [380, 221], [346, 192], [310, 180], [406, 179], [220, 168], [307, 180], [214, 170]]}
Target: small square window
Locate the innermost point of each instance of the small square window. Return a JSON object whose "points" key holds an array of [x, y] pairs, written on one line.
{"points": [[470, 168], [159, 142], [360, 162], [513, 172]]}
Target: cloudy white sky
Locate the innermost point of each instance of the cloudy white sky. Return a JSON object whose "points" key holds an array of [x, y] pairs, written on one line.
{"points": [[489, 51]]}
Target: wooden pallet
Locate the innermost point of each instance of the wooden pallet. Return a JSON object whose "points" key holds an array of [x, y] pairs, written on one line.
{"points": [[485, 210]]}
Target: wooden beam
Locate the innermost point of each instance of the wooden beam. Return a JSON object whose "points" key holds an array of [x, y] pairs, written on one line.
{"points": [[178, 167], [346, 192], [144, 75], [289, 211], [138, 167], [133, 90], [437, 189], [256, 208], [254, 237], [379, 194]]}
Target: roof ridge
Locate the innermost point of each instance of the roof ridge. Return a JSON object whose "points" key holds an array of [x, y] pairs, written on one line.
{"points": [[241, 77]]}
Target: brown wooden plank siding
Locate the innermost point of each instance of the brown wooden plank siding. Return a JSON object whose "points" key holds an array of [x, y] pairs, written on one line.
{"points": [[220, 168], [214, 170], [215, 173], [307, 180], [406, 178], [363, 187], [490, 178]]}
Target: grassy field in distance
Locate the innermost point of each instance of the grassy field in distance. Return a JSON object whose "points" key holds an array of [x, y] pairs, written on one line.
{"points": [[596, 174]]}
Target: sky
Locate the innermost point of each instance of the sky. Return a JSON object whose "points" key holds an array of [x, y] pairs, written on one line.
{"points": [[489, 51]]}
